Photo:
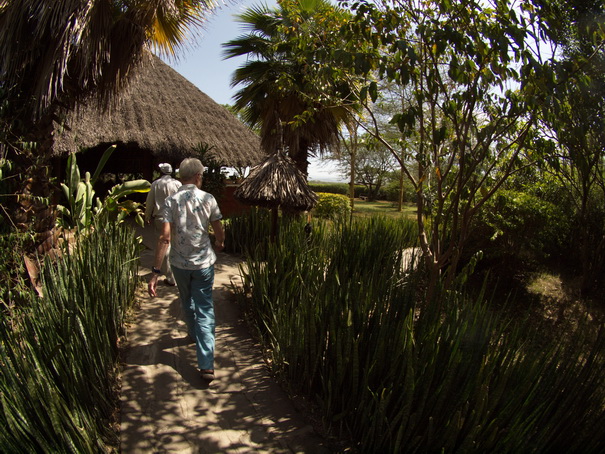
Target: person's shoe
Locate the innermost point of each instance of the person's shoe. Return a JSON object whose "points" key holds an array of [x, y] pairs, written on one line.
{"points": [[207, 374], [169, 282]]}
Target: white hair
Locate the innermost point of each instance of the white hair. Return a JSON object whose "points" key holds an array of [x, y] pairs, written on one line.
{"points": [[190, 167]]}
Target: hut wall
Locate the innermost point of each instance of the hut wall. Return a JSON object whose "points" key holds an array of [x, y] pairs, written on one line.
{"points": [[229, 205]]}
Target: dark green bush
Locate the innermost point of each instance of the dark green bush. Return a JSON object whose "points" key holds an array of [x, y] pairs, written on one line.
{"points": [[522, 224]]}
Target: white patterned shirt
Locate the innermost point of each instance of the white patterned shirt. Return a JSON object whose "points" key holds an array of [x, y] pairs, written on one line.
{"points": [[190, 211]]}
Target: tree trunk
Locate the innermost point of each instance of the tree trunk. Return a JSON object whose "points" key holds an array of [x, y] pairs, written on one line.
{"points": [[33, 207]]}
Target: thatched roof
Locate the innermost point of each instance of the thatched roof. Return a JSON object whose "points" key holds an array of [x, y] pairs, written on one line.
{"points": [[164, 113], [277, 183]]}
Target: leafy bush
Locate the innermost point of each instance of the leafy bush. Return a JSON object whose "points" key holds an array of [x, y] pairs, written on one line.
{"points": [[390, 191], [59, 352], [522, 224], [332, 206], [344, 322]]}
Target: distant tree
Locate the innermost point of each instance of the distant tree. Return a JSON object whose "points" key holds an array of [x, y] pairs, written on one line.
{"points": [[393, 98], [371, 164]]}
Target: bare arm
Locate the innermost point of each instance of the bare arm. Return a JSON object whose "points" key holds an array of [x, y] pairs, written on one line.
{"points": [[160, 253], [219, 235]]}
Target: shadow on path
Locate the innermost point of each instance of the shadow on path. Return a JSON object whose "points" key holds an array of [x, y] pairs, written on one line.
{"points": [[167, 408]]}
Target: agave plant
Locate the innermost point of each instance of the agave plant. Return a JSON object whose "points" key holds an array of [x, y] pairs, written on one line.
{"points": [[80, 196]]}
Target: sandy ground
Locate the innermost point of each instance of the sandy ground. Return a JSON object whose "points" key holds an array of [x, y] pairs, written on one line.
{"points": [[167, 408]]}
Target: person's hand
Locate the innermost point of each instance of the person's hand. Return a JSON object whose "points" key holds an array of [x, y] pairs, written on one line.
{"points": [[219, 246], [153, 284]]}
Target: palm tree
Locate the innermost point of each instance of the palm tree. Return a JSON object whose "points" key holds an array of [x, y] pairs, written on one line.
{"points": [[284, 87], [55, 53]]}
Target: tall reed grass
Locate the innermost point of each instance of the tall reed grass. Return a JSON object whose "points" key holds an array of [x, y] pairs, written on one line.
{"points": [[247, 231], [346, 323], [59, 353]]}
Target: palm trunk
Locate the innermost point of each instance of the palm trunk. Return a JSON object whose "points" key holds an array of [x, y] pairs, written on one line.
{"points": [[33, 207]]}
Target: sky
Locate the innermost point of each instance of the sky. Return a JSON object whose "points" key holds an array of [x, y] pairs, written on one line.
{"points": [[203, 65]]}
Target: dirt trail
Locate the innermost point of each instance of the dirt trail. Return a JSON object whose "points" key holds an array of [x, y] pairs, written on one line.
{"points": [[167, 408]]}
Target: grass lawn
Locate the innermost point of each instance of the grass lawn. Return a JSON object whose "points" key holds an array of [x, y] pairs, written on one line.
{"points": [[364, 208]]}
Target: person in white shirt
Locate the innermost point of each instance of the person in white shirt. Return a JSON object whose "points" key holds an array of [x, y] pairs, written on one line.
{"points": [[160, 189], [187, 218]]}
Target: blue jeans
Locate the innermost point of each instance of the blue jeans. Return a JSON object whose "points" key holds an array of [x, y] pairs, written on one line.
{"points": [[195, 289]]}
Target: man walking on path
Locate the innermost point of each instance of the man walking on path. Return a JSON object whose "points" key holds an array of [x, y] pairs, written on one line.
{"points": [[160, 189], [186, 220]]}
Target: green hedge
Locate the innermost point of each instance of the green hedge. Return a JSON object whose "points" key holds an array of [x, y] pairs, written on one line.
{"points": [[332, 188], [59, 353], [522, 224]]}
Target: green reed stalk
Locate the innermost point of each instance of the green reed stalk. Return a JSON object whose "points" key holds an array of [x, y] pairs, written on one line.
{"points": [[58, 354], [346, 324], [246, 232]]}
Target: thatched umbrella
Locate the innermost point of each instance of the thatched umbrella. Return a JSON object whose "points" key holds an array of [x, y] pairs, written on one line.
{"points": [[276, 183], [165, 115]]}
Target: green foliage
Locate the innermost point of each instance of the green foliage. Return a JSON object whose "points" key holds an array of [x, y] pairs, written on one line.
{"points": [[332, 206], [244, 233], [392, 189], [59, 353], [114, 208], [462, 133], [214, 180], [344, 322], [15, 290], [80, 197], [526, 225]]}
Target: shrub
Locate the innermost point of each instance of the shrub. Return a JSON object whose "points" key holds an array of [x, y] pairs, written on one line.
{"points": [[332, 206], [524, 225]]}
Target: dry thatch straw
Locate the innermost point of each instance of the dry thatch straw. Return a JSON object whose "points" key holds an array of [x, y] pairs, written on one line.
{"points": [[277, 183], [164, 113]]}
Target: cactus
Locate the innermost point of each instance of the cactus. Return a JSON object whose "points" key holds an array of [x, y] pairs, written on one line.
{"points": [[80, 196]]}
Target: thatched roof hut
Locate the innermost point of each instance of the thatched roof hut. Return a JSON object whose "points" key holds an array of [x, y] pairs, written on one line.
{"points": [[160, 117], [277, 183]]}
